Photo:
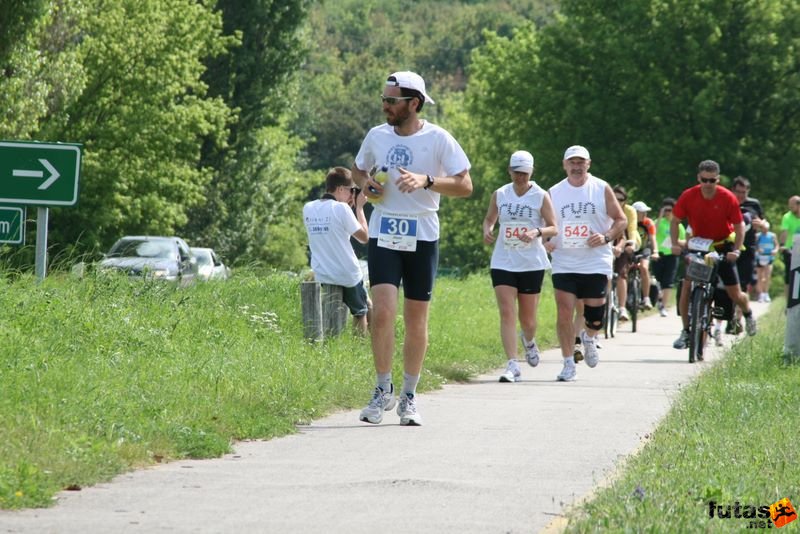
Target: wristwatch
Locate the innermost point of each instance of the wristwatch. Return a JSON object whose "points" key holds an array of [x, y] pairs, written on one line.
{"points": [[608, 239], [430, 182]]}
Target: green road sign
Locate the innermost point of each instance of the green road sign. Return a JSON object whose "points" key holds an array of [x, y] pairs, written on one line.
{"points": [[12, 225], [42, 174]]}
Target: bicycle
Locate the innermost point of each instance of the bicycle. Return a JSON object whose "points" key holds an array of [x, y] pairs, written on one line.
{"points": [[634, 301], [701, 271]]}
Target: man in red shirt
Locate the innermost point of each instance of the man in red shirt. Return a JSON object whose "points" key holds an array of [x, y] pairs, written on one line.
{"points": [[713, 213]]}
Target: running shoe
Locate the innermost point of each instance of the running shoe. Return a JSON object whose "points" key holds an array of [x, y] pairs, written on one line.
{"points": [[407, 410], [623, 314], [568, 373], [647, 304], [590, 350], [662, 311], [381, 401], [750, 325], [511, 374], [531, 351], [683, 340]]}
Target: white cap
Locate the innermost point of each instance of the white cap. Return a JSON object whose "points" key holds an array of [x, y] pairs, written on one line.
{"points": [[409, 80], [521, 161], [576, 151], [640, 206]]}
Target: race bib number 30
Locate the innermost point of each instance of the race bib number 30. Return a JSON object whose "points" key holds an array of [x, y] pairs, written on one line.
{"points": [[512, 233], [398, 232], [575, 234]]}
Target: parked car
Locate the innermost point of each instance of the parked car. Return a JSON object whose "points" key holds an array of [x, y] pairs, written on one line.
{"points": [[209, 266], [167, 258]]}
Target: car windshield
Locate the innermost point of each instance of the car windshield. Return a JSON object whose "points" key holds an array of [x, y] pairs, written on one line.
{"points": [[203, 258], [143, 249]]}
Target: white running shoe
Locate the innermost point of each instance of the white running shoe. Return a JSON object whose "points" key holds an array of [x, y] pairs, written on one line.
{"points": [[718, 336], [531, 351], [767, 297], [647, 304], [568, 373], [623, 314], [511, 374], [662, 311], [407, 410], [381, 401], [589, 350]]}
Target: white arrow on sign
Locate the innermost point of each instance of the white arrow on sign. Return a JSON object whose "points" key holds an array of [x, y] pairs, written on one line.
{"points": [[54, 174]]}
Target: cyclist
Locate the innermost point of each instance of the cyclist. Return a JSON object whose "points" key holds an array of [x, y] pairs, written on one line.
{"points": [[666, 268], [647, 235], [713, 213], [623, 249]]}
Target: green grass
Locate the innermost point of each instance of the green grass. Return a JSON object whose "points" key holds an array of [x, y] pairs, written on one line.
{"points": [[102, 375], [730, 437]]}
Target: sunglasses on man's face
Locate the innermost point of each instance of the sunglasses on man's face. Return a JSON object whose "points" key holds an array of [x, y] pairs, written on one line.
{"points": [[708, 180], [392, 100]]}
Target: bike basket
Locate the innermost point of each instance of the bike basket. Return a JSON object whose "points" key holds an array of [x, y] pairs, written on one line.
{"points": [[699, 271]]}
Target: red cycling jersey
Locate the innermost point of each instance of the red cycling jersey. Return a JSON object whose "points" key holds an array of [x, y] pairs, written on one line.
{"points": [[709, 218]]}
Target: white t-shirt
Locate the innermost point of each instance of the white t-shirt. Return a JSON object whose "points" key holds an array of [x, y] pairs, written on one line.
{"points": [[580, 212], [518, 215], [329, 225], [431, 150]]}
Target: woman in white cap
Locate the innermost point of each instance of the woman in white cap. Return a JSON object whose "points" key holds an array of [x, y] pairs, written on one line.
{"points": [[647, 234], [525, 214]]}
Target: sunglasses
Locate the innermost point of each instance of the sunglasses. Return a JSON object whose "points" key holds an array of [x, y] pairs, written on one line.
{"points": [[708, 180], [392, 100], [667, 210], [621, 199]]}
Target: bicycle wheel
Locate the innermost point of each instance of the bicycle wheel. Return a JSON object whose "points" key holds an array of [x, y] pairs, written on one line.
{"points": [[611, 311], [697, 306], [634, 297]]}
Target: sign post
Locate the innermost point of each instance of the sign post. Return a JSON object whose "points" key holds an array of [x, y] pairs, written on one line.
{"points": [[42, 175], [791, 348]]}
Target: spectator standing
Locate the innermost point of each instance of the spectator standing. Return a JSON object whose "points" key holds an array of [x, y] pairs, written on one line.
{"points": [[588, 219], [423, 162], [790, 229], [525, 214], [665, 268], [330, 222]]}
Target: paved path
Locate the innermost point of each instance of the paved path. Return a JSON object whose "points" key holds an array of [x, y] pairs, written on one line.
{"points": [[490, 457]]}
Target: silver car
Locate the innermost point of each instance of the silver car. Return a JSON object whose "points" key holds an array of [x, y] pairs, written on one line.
{"points": [[209, 265], [166, 258]]}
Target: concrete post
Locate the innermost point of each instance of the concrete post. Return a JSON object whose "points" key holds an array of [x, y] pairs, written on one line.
{"points": [[791, 349]]}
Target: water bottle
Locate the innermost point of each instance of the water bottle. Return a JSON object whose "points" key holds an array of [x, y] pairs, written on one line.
{"points": [[379, 173]]}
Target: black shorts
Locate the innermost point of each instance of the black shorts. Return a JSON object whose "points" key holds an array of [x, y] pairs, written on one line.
{"points": [[583, 286], [356, 299], [526, 282], [415, 270], [665, 269], [728, 273], [746, 268]]}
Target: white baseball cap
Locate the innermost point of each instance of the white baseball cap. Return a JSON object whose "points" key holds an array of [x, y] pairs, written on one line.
{"points": [[640, 206], [521, 161], [576, 151], [409, 80]]}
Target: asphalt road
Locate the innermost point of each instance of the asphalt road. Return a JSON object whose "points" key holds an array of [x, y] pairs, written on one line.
{"points": [[490, 458]]}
